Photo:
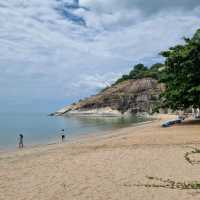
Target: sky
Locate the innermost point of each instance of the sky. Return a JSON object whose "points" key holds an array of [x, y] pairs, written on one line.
{"points": [[55, 52]]}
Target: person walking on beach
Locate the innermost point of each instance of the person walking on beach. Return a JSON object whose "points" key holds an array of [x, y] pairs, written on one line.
{"points": [[21, 142]]}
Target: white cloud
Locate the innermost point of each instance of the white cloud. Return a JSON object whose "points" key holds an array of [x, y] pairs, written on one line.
{"points": [[45, 55], [148, 7]]}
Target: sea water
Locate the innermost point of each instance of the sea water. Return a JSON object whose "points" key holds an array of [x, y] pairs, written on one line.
{"points": [[39, 128]]}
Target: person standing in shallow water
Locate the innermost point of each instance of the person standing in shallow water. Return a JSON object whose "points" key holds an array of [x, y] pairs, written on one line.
{"points": [[21, 142], [63, 135]]}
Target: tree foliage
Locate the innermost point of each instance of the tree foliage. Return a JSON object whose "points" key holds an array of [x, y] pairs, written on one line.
{"points": [[140, 71], [182, 75]]}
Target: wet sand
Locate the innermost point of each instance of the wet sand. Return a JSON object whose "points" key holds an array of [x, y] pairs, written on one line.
{"points": [[114, 166]]}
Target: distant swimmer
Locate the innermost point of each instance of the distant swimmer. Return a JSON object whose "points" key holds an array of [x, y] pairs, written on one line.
{"points": [[21, 142]]}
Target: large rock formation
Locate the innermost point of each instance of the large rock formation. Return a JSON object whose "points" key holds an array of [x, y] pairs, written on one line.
{"points": [[132, 96]]}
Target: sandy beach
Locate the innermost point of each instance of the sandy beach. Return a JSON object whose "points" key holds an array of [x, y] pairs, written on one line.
{"points": [[145, 162]]}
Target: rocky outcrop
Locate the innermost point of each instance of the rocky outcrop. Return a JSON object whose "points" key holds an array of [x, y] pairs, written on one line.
{"points": [[132, 96]]}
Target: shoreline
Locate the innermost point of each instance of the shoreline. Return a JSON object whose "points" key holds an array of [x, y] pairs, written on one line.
{"points": [[98, 136], [77, 139], [88, 136]]}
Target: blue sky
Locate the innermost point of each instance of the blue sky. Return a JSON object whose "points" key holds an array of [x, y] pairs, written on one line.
{"points": [[54, 52]]}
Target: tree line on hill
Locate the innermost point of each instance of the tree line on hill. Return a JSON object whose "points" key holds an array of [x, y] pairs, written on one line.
{"points": [[141, 71]]}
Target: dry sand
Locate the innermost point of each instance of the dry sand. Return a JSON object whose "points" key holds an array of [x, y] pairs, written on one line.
{"points": [[114, 166]]}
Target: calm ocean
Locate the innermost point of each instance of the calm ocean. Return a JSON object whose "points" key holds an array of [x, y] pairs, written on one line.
{"points": [[42, 129]]}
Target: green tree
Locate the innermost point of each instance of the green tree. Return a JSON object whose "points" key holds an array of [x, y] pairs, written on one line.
{"points": [[123, 78], [182, 75], [140, 71]]}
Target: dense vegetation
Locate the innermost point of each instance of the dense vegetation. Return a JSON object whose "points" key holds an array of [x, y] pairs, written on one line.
{"points": [[180, 73], [140, 71]]}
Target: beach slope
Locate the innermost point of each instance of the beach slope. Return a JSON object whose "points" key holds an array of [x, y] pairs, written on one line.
{"points": [[143, 162]]}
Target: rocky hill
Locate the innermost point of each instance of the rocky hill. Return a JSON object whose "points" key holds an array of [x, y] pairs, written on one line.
{"points": [[131, 96]]}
